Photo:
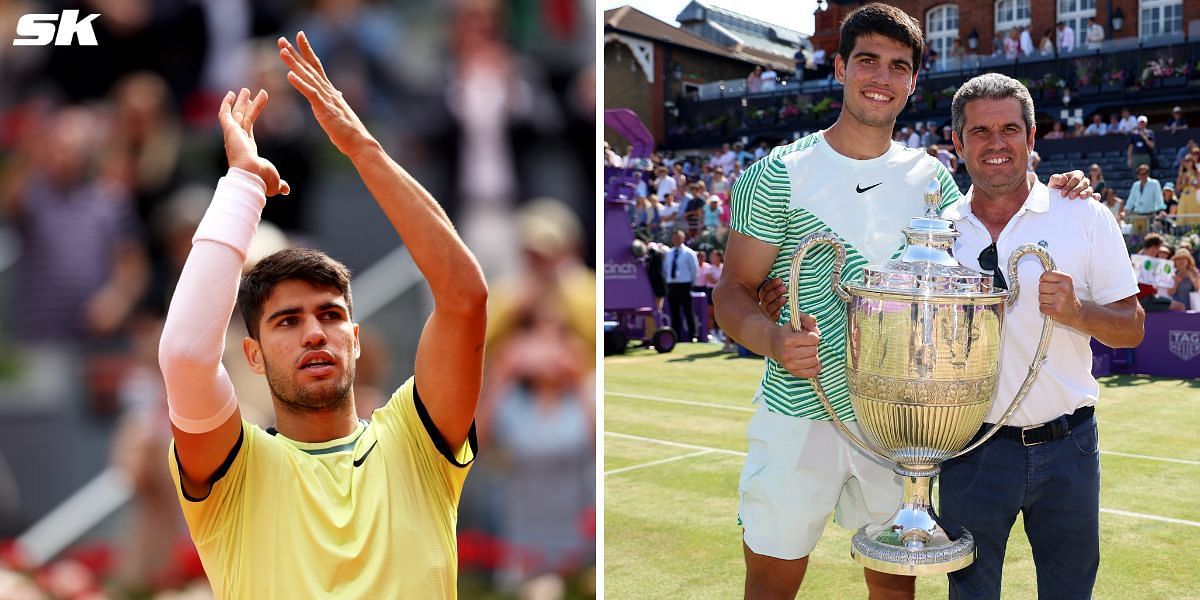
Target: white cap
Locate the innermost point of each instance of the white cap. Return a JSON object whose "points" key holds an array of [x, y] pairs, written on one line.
{"points": [[1143, 119]]}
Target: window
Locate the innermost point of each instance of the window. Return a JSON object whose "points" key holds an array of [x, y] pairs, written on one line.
{"points": [[1160, 17], [941, 27], [1011, 13], [1075, 13]]}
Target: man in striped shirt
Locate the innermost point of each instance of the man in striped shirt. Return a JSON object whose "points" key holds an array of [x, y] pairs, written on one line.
{"points": [[852, 180]]}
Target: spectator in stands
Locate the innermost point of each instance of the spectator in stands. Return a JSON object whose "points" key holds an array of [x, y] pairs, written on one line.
{"points": [[712, 212], [706, 174], [761, 150], [947, 135], [1035, 160], [726, 159], [743, 156], [801, 62], [1077, 130], [1066, 38], [956, 55], [1184, 151], [1026, 41], [1114, 125], [927, 134], [681, 180], [1168, 192], [769, 78], [1145, 195], [664, 184], [1187, 183], [1046, 45], [669, 215], [1095, 34], [654, 209], [754, 80], [1096, 174], [1128, 121], [912, 139], [680, 268], [83, 265], [944, 156], [720, 184], [611, 158], [1115, 205], [1012, 46], [1141, 144], [1187, 279], [1096, 127], [1056, 132], [1177, 122], [693, 208], [928, 56]]}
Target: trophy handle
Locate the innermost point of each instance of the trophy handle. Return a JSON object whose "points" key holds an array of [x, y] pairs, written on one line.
{"points": [[1039, 357], [794, 308]]}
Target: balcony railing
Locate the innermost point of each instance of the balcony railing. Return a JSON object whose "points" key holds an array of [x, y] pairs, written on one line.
{"points": [[1119, 72]]}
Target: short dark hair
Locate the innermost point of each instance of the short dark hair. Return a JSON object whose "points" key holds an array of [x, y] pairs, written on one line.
{"points": [[1152, 240], [303, 264], [885, 20]]}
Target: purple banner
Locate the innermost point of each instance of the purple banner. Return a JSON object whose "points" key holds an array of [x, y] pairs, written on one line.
{"points": [[1171, 348]]}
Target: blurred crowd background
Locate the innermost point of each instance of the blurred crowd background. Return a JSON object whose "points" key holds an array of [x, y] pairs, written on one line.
{"points": [[108, 158]]}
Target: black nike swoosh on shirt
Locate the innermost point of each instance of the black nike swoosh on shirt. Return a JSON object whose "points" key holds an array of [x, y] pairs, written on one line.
{"points": [[359, 461], [860, 189]]}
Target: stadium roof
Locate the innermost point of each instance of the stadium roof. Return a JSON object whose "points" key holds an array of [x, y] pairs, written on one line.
{"points": [[627, 19]]}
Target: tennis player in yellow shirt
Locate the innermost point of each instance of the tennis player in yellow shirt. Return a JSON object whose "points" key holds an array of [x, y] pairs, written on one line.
{"points": [[323, 505]]}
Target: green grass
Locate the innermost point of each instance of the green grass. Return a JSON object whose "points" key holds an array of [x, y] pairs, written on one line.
{"points": [[670, 529]]}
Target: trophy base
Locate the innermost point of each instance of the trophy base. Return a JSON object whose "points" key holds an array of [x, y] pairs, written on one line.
{"points": [[911, 542]]}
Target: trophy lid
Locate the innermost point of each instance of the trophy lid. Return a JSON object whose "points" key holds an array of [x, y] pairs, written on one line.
{"points": [[927, 265]]}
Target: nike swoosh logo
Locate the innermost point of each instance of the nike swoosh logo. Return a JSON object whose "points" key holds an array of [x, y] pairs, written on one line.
{"points": [[860, 189], [359, 461]]}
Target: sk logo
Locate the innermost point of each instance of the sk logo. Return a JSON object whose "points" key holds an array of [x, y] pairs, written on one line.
{"points": [[39, 29]]}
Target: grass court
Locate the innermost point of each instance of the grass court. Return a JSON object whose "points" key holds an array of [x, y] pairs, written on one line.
{"points": [[674, 442]]}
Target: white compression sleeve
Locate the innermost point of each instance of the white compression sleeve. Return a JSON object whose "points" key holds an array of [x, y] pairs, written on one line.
{"points": [[200, 395]]}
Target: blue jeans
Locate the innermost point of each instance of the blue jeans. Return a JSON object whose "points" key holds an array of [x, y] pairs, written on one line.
{"points": [[1055, 485]]}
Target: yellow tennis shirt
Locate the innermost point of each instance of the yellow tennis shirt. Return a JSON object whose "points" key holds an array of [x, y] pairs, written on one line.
{"points": [[370, 515]]}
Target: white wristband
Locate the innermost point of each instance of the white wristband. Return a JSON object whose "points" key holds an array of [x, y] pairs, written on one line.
{"points": [[236, 208]]}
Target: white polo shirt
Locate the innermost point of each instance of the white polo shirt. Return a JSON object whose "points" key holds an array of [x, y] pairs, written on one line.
{"points": [[1084, 241]]}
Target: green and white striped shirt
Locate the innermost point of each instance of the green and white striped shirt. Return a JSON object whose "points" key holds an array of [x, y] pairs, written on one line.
{"points": [[806, 187]]}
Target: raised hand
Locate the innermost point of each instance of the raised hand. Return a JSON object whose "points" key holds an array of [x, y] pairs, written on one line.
{"points": [[333, 113], [237, 115]]}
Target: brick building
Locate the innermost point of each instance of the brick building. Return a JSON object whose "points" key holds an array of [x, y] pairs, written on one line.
{"points": [[976, 23], [650, 66]]}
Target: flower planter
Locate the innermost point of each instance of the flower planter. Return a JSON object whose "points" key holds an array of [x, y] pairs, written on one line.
{"points": [[1177, 81]]}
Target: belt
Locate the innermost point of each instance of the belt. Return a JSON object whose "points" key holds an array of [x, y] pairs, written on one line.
{"points": [[1033, 435]]}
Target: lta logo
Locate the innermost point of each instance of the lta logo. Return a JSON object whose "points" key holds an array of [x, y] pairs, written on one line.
{"points": [[1184, 344], [39, 29]]}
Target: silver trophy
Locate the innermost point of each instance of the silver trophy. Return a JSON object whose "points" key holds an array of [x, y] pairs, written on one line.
{"points": [[923, 359]]}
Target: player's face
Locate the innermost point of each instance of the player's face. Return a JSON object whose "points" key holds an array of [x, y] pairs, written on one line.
{"points": [[878, 77], [307, 346], [995, 144]]}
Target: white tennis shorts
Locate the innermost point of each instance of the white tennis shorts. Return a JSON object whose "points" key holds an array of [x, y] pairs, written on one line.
{"points": [[797, 473]]}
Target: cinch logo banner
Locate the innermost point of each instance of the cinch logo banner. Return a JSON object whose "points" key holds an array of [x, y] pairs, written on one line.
{"points": [[41, 29], [1184, 344], [624, 270]]}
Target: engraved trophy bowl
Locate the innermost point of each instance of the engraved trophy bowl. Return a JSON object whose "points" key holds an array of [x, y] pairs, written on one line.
{"points": [[922, 364]]}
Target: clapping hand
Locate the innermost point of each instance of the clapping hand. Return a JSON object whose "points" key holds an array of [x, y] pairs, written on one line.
{"points": [[237, 115], [333, 113]]}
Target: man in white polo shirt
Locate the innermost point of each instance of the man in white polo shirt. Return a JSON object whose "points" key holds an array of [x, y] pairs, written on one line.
{"points": [[1045, 464]]}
